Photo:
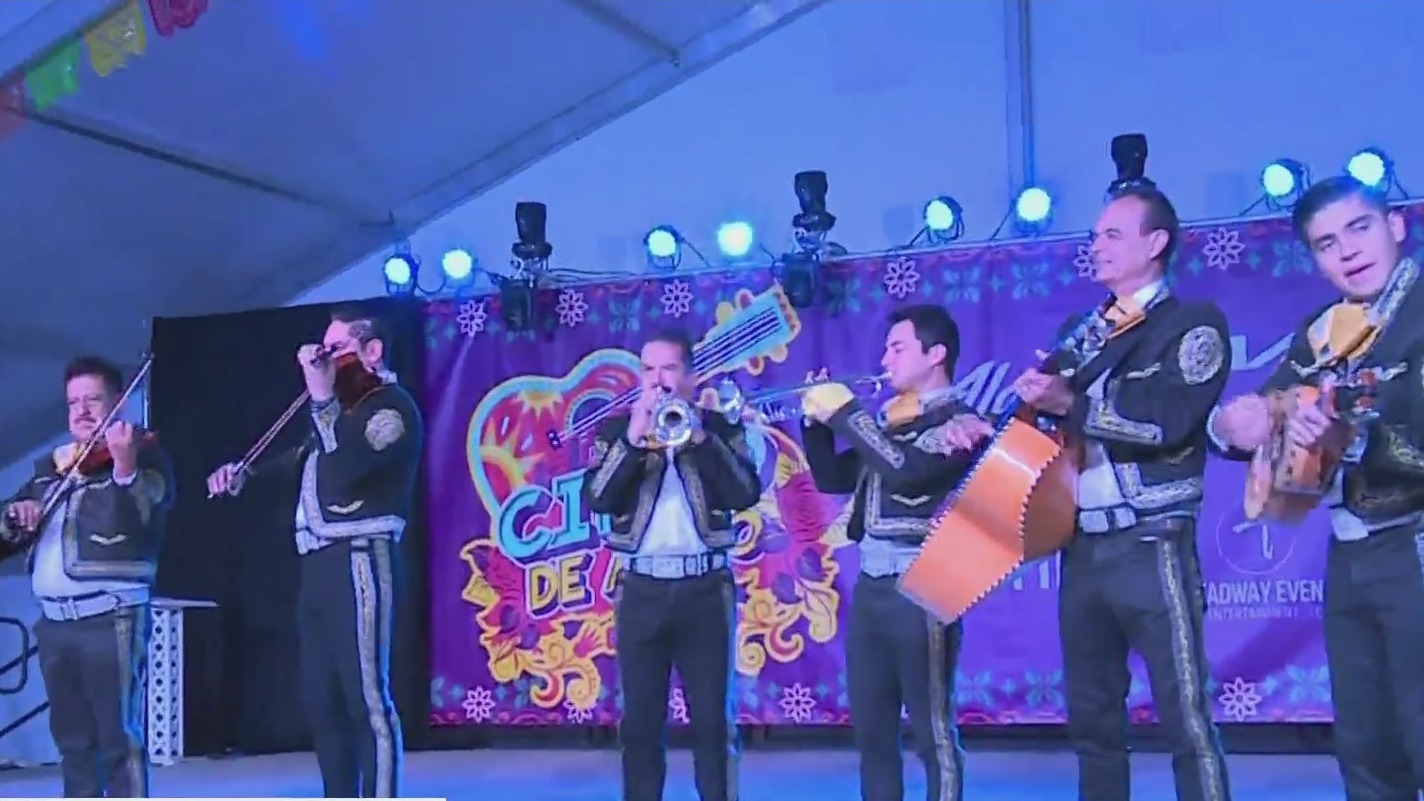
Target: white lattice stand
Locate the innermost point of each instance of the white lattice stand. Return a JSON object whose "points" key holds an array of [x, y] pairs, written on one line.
{"points": [[165, 679]]}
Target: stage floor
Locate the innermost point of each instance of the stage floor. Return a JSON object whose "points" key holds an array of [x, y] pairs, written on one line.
{"points": [[592, 775]]}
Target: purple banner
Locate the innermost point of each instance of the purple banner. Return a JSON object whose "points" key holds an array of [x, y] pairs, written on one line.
{"points": [[522, 629]]}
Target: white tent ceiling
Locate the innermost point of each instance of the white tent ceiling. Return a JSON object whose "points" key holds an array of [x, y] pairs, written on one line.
{"points": [[273, 143]]}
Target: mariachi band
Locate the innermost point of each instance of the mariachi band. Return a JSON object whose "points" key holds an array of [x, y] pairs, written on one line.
{"points": [[1097, 459]]}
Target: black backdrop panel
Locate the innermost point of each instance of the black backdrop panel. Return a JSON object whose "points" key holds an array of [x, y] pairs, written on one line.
{"points": [[218, 382]]}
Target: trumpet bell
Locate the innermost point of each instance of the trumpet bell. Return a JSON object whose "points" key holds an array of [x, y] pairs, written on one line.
{"points": [[673, 421], [730, 400]]}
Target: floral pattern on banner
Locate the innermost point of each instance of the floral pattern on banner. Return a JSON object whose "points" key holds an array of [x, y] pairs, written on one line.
{"points": [[522, 593]]}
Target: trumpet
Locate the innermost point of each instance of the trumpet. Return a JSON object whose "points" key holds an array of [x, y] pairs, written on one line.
{"points": [[767, 410], [675, 420]]}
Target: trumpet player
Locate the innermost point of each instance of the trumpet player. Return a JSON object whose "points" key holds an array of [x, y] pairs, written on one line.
{"points": [[672, 476], [1374, 596], [356, 473], [900, 474]]}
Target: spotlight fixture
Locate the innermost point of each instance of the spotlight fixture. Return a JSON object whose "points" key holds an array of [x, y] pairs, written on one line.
{"points": [[811, 226], [811, 188], [735, 239], [1284, 181], [944, 220], [664, 247], [1129, 155], [516, 302], [1033, 211], [1373, 168], [531, 260], [458, 266], [401, 272], [799, 274], [532, 251]]}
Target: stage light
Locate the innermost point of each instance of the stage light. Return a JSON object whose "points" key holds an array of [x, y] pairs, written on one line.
{"points": [[661, 242], [800, 277], [811, 188], [735, 239], [944, 220], [664, 246], [516, 302], [1284, 178], [458, 265], [1372, 168], [810, 227], [532, 251], [400, 272], [1032, 209], [531, 260], [1129, 156]]}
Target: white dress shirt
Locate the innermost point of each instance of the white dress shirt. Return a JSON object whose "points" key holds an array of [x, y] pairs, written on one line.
{"points": [[1097, 483], [47, 576], [671, 530]]}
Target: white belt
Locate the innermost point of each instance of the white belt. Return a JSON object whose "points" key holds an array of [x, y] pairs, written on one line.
{"points": [[91, 605], [878, 564], [674, 567], [1106, 520]]}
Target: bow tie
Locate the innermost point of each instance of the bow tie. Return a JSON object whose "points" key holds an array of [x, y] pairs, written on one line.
{"points": [[1123, 314], [1343, 332]]}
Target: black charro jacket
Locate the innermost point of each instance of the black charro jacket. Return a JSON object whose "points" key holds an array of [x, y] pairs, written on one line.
{"points": [[901, 475], [358, 468], [110, 531], [1388, 481], [623, 481]]}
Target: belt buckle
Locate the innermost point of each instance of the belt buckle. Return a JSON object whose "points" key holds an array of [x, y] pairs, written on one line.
{"points": [[69, 609], [1094, 521]]}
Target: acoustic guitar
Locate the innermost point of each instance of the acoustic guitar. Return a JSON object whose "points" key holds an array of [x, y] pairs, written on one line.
{"points": [[1284, 481], [1017, 504], [1019, 500]]}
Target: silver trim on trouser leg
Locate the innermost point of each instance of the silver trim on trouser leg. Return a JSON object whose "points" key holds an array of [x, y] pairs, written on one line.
{"points": [[372, 581], [941, 710], [1185, 635]]}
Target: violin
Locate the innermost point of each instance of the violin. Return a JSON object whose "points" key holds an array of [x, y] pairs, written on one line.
{"points": [[80, 460], [352, 381], [96, 459]]}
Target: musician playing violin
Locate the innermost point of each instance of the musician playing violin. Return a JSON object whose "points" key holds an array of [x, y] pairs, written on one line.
{"points": [[357, 475], [900, 469], [1137, 395], [1374, 593], [92, 562]]}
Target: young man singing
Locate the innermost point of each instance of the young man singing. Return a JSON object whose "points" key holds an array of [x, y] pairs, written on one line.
{"points": [[1374, 573]]}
